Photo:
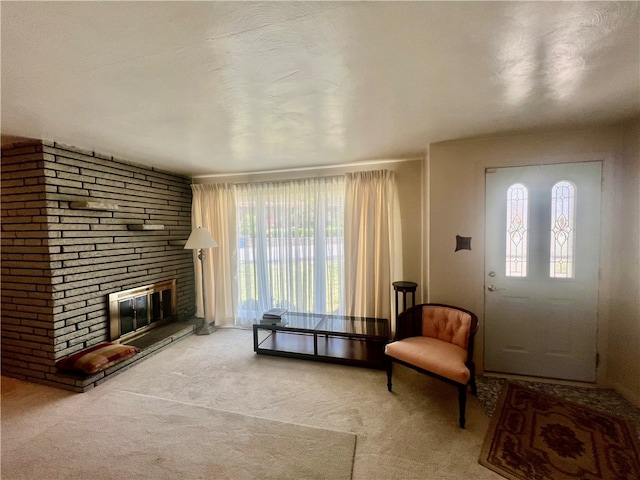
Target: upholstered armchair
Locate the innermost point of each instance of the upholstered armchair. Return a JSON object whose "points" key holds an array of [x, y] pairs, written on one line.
{"points": [[436, 340]]}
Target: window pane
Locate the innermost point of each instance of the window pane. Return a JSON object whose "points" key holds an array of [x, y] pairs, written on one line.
{"points": [[563, 198], [291, 246], [517, 230]]}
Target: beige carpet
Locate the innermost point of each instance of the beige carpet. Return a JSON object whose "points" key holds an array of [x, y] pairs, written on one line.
{"points": [[126, 435], [208, 407]]}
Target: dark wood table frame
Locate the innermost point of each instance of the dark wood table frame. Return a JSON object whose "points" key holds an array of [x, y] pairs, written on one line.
{"points": [[357, 341]]}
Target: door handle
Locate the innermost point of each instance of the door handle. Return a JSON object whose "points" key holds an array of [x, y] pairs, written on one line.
{"points": [[493, 288]]}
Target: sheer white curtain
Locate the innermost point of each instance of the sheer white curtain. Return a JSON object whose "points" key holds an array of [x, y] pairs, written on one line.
{"points": [[324, 245], [291, 242], [214, 208], [373, 243]]}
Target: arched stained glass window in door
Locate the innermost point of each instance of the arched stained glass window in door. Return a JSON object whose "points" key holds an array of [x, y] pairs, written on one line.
{"points": [[517, 230], [563, 200]]}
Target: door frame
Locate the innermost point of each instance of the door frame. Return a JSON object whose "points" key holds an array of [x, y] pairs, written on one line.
{"points": [[604, 293]]}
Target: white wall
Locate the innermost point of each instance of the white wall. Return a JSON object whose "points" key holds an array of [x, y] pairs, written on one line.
{"points": [[623, 369], [455, 200]]}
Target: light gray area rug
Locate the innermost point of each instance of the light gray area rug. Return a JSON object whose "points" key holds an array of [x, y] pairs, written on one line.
{"points": [[172, 412], [126, 435]]}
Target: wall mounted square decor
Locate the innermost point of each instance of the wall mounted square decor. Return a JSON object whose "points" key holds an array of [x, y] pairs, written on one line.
{"points": [[463, 243]]}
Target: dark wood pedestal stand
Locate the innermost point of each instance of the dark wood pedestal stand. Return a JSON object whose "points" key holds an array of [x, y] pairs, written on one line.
{"points": [[405, 287]]}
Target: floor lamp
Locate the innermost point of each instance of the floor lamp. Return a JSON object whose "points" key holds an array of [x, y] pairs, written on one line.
{"points": [[200, 239]]}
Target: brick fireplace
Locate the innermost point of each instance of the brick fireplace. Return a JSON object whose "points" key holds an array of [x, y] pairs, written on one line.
{"points": [[76, 227]]}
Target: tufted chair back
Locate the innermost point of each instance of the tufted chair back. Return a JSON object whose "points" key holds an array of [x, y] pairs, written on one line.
{"points": [[444, 322], [447, 324]]}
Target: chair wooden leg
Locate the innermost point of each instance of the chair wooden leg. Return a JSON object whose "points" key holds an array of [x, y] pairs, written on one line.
{"points": [[462, 402], [389, 371]]}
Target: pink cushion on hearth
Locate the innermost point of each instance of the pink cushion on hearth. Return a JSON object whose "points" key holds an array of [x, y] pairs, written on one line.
{"points": [[446, 324], [97, 358], [437, 356]]}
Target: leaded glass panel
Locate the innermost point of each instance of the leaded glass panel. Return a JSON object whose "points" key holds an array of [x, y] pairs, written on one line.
{"points": [[517, 230], [563, 200]]}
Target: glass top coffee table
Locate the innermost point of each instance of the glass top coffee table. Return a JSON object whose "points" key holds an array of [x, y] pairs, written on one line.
{"points": [[356, 341]]}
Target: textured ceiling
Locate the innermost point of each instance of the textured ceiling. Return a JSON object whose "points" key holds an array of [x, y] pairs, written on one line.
{"points": [[217, 87]]}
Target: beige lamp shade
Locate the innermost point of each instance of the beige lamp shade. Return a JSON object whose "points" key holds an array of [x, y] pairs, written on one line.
{"points": [[200, 238]]}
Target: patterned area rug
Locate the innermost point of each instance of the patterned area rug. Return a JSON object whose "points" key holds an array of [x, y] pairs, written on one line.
{"points": [[603, 399], [535, 436]]}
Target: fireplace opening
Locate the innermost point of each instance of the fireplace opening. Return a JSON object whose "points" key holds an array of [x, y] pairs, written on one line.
{"points": [[136, 311]]}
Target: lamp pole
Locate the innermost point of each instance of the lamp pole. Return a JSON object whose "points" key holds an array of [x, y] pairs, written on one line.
{"points": [[206, 328], [200, 239]]}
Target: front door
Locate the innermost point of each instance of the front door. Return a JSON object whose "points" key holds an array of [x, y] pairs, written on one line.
{"points": [[541, 270]]}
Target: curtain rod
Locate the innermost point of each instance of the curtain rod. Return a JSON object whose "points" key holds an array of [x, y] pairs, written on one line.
{"points": [[305, 169]]}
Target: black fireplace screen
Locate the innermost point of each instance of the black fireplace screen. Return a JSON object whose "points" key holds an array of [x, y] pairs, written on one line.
{"points": [[134, 311]]}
